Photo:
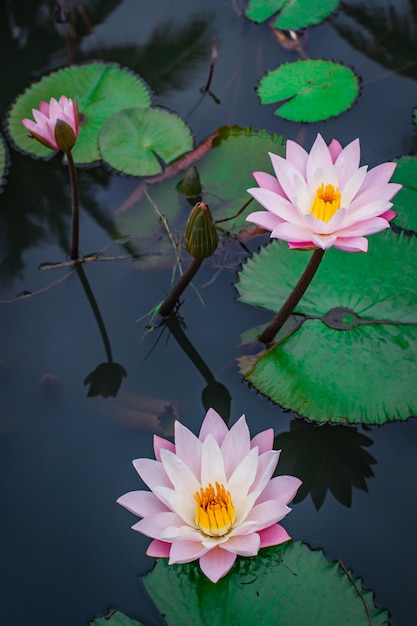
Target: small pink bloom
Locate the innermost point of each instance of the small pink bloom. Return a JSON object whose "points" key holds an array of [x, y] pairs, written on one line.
{"points": [[56, 124], [212, 497], [324, 199]]}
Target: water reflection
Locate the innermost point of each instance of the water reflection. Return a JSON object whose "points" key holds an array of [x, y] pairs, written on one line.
{"points": [[106, 379], [214, 395], [385, 33], [326, 458]]}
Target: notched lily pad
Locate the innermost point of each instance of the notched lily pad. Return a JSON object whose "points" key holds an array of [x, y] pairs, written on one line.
{"points": [[135, 140], [293, 14], [224, 164], [101, 89], [315, 90], [265, 589], [354, 357], [405, 201]]}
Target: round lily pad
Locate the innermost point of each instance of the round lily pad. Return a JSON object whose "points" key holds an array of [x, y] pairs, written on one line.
{"points": [[265, 589], [134, 141], [354, 357], [314, 89], [100, 89], [294, 14], [405, 201]]}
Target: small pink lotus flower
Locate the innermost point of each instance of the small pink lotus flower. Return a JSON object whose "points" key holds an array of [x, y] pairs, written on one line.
{"points": [[56, 124], [212, 497], [323, 199]]}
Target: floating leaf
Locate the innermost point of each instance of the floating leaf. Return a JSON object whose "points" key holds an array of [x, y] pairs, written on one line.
{"points": [[354, 358], [294, 14], [3, 162], [132, 140], [405, 202], [225, 170], [266, 589], [115, 619], [101, 89], [315, 90]]}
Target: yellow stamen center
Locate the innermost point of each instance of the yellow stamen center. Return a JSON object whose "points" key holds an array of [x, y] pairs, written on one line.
{"points": [[326, 202], [214, 511]]}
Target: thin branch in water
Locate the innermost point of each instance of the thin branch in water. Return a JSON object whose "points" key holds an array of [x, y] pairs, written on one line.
{"points": [[232, 217]]}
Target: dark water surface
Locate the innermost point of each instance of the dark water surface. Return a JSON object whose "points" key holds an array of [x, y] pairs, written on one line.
{"points": [[67, 549]]}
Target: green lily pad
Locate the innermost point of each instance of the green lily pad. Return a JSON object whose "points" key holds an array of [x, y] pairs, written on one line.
{"points": [[405, 201], [265, 589], [354, 357], [101, 89], [294, 14], [3, 162], [130, 140], [115, 619], [225, 164], [315, 90]]}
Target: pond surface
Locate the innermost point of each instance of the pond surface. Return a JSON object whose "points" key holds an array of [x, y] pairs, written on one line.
{"points": [[68, 552]]}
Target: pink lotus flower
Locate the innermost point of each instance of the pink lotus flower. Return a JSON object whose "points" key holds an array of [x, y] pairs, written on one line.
{"points": [[56, 124], [212, 497], [324, 199]]}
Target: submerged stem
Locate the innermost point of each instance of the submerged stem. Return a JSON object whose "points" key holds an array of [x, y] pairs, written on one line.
{"points": [[293, 299], [175, 293], [75, 205]]}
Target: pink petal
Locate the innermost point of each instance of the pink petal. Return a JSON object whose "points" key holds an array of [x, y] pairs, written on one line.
{"points": [[264, 440], [325, 228], [44, 108], [268, 182], [297, 156], [301, 245], [266, 513], [180, 475], [243, 545], [292, 232], [184, 551], [158, 549], [367, 227], [389, 215], [347, 162], [323, 241], [319, 159], [188, 448], [264, 219], [142, 503], [242, 478], [216, 563], [235, 446], [155, 525], [280, 488], [352, 244], [212, 463], [279, 206], [267, 463], [214, 425], [273, 536], [335, 149], [152, 473], [159, 443], [374, 197], [287, 175], [379, 175]]}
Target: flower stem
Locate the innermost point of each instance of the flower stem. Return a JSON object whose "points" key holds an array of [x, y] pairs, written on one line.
{"points": [[75, 207], [293, 299], [175, 293]]}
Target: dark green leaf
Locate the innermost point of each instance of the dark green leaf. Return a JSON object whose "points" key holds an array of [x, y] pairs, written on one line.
{"points": [[283, 585], [101, 89], [294, 14], [315, 90], [115, 619], [130, 140], [362, 373], [405, 202]]}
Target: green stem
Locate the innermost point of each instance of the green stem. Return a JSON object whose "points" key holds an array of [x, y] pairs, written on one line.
{"points": [[75, 205], [293, 299], [176, 292]]}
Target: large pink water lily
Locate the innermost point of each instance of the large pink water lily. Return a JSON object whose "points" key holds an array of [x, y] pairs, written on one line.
{"points": [[324, 199], [56, 123], [212, 497]]}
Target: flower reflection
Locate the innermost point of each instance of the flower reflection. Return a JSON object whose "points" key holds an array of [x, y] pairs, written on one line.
{"points": [[212, 497], [323, 199], [105, 380]]}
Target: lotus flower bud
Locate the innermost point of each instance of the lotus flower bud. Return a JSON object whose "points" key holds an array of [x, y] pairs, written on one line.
{"points": [[64, 136], [201, 233], [190, 185]]}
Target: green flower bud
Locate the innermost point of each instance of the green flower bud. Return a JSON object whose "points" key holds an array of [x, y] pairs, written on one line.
{"points": [[190, 185], [201, 233], [64, 136]]}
